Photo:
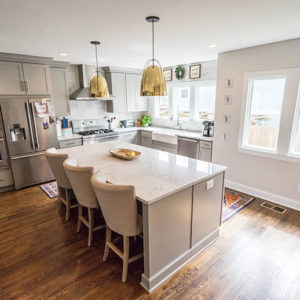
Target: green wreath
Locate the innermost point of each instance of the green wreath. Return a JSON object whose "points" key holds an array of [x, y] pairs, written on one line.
{"points": [[179, 72]]}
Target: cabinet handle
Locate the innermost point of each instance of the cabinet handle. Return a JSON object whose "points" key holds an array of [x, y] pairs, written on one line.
{"points": [[22, 86], [26, 86]]}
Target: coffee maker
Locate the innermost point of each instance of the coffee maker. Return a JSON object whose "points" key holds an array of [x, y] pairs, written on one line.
{"points": [[208, 128]]}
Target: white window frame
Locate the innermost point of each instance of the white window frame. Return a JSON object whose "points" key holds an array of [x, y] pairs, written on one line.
{"points": [[295, 126], [282, 151], [197, 86], [193, 85]]}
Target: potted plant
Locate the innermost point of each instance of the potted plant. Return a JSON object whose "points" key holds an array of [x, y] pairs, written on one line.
{"points": [[146, 121]]}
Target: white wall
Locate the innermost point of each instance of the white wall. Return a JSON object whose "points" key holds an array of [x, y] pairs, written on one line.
{"points": [[272, 179], [208, 72], [91, 109]]}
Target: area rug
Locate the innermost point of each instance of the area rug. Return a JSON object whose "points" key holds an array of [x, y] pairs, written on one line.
{"points": [[50, 189], [234, 202]]}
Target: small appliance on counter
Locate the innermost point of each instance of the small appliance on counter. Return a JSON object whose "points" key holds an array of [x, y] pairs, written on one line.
{"points": [[127, 123], [208, 128]]}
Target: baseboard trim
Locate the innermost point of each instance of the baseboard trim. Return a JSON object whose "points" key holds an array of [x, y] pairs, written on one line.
{"points": [[285, 201]]}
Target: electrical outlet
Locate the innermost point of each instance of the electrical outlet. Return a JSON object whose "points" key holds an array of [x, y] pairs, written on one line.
{"points": [[298, 189], [225, 136]]}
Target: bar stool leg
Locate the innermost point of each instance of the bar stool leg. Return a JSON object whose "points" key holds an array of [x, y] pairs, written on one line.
{"points": [[91, 226], [108, 240], [125, 259], [79, 217]]}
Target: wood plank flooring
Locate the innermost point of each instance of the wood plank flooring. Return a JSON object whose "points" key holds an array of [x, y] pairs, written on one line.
{"points": [[42, 257]]}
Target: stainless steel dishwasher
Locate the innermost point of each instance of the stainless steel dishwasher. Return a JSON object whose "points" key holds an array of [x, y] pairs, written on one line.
{"points": [[188, 147]]}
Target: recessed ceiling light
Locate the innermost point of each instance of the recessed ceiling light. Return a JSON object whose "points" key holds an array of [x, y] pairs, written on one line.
{"points": [[212, 46], [63, 54]]}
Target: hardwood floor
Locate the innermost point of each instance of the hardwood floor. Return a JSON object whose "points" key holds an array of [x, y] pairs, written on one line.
{"points": [[42, 257]]}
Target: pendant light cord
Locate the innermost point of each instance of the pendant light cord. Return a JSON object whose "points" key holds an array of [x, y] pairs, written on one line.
{"points": [[97, 71], [152, 44]]}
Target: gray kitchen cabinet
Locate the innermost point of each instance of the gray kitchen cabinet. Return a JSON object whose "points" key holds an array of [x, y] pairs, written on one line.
{"points": [[60, 94], [5, 178], [134, 101], [205, 151], [206, 213], [146, 139], [11, 78], [37, 78], [24, 78], [117, 88], [129, 137], [164, 147], [70, 143]]}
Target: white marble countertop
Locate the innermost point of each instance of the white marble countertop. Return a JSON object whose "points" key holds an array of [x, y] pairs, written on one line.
{"points": [[155, 175], [69, 137], [170, 131]]}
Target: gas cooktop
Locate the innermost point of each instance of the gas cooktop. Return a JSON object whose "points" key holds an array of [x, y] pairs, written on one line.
{"points": [[93, 132]]}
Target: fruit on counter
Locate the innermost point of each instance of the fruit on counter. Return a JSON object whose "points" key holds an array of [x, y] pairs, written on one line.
{"points": [[130, 153]]}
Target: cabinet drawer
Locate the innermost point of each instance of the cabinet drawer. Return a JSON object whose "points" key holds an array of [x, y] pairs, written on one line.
{"points": [[5, 178], [70, 143], [128, 135], [205, 144]]}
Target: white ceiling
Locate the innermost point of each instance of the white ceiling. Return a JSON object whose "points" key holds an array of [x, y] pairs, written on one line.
{"points": [[187, 27]]}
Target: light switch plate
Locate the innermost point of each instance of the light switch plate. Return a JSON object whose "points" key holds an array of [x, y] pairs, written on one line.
{"points": [[298, 187], [210, 184], [225, 136], [228, 100]]}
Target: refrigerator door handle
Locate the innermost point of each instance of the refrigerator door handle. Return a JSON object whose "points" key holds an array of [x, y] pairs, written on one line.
{"points": [[30, 126], [37, 144]]}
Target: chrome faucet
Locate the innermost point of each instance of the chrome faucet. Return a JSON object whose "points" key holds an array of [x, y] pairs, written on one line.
{"points": [[178, 124]]}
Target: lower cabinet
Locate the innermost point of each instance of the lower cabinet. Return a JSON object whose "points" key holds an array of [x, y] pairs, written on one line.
{"points": [[146, 139], [5, 178], [131, 137], [205, 154], [164, 147], [70, 143]]}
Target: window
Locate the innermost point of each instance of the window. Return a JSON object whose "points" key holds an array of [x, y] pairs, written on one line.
{"points": [[205, 102], [295, 139], [263, 112], [163, 106], [182, 101]]}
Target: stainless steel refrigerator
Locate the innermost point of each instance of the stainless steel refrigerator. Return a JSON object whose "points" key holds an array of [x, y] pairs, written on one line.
{"points": [[29, 132]]}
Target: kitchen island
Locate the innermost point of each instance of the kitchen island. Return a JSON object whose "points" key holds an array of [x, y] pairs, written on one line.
{"points": [[181, 202]]}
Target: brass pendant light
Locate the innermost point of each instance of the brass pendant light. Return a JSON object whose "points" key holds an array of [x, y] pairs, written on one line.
{"points": [[98, 84], [153, 81]]}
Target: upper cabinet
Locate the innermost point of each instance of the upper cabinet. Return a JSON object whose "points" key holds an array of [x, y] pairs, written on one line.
{"points": [[37, 79], [11, 78], [134, 101], [60, 94], [18, 78], [124, 86]]}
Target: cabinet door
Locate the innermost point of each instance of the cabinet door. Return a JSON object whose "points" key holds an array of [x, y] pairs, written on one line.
{"points": [[131, 94], [11, 78], [60, 95], [119, 92], [37, 79], [146, 141], [140, 101], [205, 154]]}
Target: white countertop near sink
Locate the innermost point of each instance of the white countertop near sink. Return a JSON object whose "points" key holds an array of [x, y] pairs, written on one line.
{"points": [[168, 131]]}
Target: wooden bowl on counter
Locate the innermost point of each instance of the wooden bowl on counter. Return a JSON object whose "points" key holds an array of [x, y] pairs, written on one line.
{"points": [[124, 153]]}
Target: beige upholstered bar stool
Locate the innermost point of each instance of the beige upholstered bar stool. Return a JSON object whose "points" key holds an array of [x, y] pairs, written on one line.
{"points": [[119, 208], [80, 179], [55, 161]]}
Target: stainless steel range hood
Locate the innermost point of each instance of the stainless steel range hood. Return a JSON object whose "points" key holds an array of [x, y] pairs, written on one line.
{"points": [[82, 94]]}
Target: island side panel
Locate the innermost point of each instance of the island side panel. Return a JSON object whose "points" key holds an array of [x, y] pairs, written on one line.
{"points": [[167, 235], [207, 207]]}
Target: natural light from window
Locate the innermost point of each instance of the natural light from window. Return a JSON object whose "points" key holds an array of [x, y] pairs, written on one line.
{"points": [[205, 102], [263, 112], [182, 101], [295, 140], [163, 106]]}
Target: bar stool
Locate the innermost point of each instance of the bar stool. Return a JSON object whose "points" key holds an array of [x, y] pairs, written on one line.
{"points": [[80, 179], [55, 161], [119, 208]]}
